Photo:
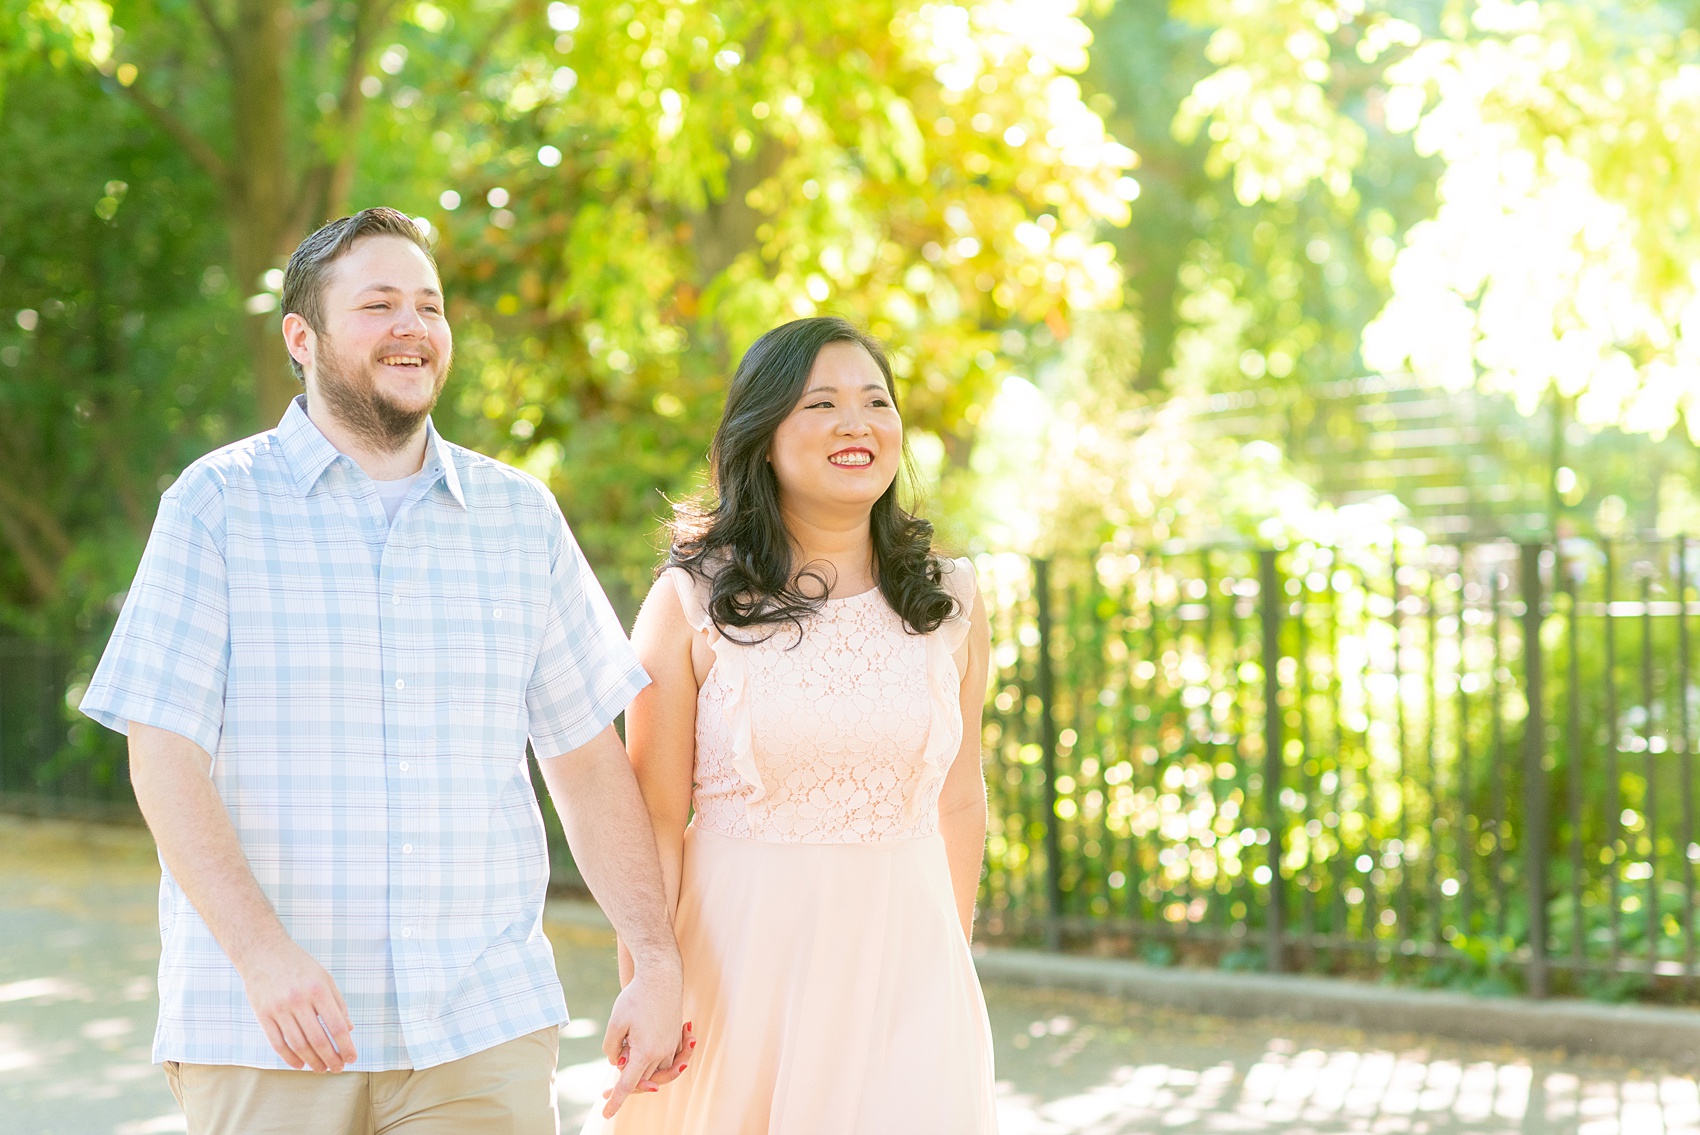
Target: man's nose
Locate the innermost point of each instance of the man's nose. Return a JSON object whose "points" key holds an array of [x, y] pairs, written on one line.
{"points": [[409, 324]]}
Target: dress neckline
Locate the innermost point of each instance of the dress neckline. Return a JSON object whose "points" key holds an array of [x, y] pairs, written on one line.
{"points": [[874, 590]]}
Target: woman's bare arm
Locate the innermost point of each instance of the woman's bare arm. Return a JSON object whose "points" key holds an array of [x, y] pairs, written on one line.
{"points": [[661, 744], [661, 727], [962, 802]]}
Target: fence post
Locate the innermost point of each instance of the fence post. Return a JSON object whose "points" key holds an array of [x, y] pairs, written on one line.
{"points": [[1048, 758], [1269, 593], [1535, 825]]}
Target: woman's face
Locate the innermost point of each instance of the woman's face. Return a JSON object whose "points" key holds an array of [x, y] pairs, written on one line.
{"points": [[840, 448]]}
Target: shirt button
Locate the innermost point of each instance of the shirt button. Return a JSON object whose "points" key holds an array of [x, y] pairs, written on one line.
{"points": [[498, 612], [407, 849], [407, 931], [400, 685], [403, 766], [395, 600]]}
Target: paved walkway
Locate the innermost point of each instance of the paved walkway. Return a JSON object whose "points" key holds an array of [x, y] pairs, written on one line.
{"points": [[78, 945]]}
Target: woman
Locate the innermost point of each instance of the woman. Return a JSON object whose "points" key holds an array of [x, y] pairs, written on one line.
{"points": [[815, 716]]}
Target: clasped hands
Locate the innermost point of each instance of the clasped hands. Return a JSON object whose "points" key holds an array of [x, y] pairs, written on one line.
{"points": [[641, 1040]]}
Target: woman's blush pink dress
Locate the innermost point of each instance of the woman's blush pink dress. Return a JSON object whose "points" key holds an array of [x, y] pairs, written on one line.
{"points": [[826, 972]]}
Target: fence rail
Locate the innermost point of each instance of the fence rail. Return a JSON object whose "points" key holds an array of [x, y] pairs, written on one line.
{"points": [[1479, 756]]}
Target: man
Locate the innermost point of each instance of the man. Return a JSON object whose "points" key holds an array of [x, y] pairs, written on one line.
{"points": [[340, 636]]}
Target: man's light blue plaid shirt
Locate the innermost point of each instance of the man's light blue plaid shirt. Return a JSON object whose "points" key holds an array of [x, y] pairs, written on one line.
{"points": [[366, 690]]}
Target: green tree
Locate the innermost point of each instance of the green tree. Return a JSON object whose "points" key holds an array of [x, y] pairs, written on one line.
{"points": [[116, 360], [1274, 195], [266, 97], [1563, 254], [1528, 163], [642, 188], [624, 195]]}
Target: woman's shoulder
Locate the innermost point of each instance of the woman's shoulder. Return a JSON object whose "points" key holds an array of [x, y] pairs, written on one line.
{"points": [[686, 588], [957, 577]]}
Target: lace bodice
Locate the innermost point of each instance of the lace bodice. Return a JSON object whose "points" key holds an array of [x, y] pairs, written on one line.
{"points": [[840, 735]]}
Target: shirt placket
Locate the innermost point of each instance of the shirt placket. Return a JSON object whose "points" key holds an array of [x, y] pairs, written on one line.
{"points": [[405, 629]]}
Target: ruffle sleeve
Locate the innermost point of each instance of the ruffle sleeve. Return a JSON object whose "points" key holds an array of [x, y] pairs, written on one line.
{"points": [[730, 665], [944, 683]]}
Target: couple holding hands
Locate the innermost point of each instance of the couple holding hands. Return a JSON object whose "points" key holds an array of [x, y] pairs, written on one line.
{"points": [[340, 638]]}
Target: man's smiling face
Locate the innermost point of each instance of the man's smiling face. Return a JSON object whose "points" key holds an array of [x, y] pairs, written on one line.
{"points": [[385, 349]]}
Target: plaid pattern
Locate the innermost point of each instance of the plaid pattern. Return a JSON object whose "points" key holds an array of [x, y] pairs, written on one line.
{"points": [[367, 690]]}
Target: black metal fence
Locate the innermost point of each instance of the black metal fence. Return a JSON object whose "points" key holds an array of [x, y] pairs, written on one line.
{"points": [[48, 763], [1478, 755]]}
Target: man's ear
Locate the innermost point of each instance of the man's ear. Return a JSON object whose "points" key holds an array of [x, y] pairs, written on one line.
{"points": [[299, 337]]}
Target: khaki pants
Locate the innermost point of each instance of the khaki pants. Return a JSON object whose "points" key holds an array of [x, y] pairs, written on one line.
{"points": [[509, 1089]]}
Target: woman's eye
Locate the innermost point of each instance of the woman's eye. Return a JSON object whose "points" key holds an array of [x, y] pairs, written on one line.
{"points": [[819, 406]]}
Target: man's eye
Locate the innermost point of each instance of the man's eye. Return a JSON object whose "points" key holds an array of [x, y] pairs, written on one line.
{"points": [[377, 307]]}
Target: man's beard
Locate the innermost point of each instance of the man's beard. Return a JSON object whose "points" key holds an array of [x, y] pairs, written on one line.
{"points": [[352, 395]]}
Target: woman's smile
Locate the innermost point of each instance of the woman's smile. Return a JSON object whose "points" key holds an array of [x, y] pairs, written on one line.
{"points": [[855, 457]]}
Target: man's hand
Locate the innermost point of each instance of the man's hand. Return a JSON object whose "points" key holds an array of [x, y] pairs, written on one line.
{"points": [[296, 1001], [300, 1007], [670, 1071], [644, 1037], [613, 845]]}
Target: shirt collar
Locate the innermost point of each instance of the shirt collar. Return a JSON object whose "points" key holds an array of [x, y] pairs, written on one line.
{"points": [[310, 453], [440, 462]]}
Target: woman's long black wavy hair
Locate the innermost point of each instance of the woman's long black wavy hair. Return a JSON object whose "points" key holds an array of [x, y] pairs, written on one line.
{"points": [[740, 544]]}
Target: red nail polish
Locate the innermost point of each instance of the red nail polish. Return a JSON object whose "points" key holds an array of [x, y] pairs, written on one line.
{"points": [[682, 1067], [622, 1063], [693, 1044]]}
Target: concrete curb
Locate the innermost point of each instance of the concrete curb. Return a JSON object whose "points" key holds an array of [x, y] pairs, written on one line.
{"points": [[1628, 1031], [1632, 1032]]}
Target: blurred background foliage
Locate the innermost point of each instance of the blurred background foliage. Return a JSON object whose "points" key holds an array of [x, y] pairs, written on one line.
{"points": [[1134, 259]]}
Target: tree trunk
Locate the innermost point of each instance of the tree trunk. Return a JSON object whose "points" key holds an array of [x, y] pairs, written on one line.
{"points": [[261, 191], [269, 203]]}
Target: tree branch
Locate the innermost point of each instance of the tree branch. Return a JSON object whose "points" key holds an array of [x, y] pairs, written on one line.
{"points": [[42, 578], [193, 144], [219, 31], [46, 525], [727, 225], [325, 183], [509, 16], [26, 506]]}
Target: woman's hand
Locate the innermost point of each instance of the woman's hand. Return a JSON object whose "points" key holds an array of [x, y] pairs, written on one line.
{"points": [[671, 1071], [640, 1036]]}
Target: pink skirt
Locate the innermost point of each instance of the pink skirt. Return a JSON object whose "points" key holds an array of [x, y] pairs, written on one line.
{"points": [[832, 994]]}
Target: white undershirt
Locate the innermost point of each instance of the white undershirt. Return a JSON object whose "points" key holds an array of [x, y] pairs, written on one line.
{"points": [[392, 493]]}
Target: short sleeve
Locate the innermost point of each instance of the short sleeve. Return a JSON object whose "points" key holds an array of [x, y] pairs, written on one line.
{"points": [[958, 579], [587, 672], [169, 655], [692, 599]]}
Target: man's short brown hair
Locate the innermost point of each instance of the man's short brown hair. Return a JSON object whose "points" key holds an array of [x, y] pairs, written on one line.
{"points": [[304, 277]]}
